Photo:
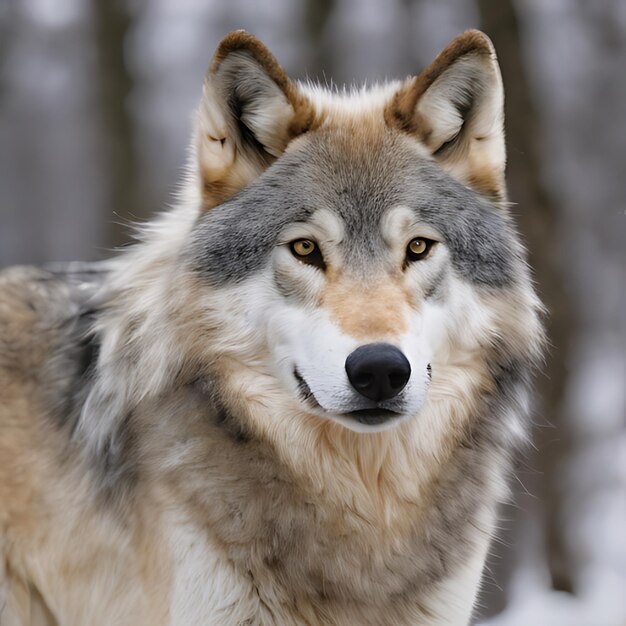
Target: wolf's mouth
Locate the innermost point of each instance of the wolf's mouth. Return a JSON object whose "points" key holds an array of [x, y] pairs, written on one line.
{"points": [[305, 391], [370, 416]]}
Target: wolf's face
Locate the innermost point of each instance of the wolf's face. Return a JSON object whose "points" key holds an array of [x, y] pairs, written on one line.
{"points": [[353, 258], [354, 234]]}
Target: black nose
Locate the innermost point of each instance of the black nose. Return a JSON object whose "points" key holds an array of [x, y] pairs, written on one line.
{"points": [[378, 371]]}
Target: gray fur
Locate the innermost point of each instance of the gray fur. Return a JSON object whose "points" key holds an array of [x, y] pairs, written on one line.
{"points": [[62, 297], [233, 240], [436, 288]]}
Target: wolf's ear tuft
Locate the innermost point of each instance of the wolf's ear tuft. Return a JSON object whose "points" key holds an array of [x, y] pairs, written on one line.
{"points": [[455, 108], [250, 111]]}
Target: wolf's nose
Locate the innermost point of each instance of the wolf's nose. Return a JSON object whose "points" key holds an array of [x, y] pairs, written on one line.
{"points": [[378, 371]]}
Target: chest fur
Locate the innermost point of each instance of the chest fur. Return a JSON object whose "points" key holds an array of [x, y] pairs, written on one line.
{"points": [[257, 544], [326, 582]]}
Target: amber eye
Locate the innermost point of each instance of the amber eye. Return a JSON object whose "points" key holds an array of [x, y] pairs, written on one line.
{"points": [[308, 252], [303, 247], [418, 248]]}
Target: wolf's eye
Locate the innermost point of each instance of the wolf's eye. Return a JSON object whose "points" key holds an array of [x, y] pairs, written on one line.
{"points": [[308, 252], [303, 247], [418, 248]]}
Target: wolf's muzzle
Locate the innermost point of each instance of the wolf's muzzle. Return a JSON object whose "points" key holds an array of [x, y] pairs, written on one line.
{"points": [[378, 371]]}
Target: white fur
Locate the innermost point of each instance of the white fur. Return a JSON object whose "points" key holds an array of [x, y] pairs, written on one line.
{"points": [[207, 589], [482, 146], [352, 102], [454, 599]]}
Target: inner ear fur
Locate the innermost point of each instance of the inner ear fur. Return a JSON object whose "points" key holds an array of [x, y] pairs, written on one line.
{"points": [[250, 111], [455, 108]]}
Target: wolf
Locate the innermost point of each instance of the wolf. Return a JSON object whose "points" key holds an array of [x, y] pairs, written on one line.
{"points": [[296, 398]]}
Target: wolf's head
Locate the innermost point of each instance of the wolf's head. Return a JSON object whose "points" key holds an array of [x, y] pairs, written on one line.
{"points": [[346, 256], [363, 226]]}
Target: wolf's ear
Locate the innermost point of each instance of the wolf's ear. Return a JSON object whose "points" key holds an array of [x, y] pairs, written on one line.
{"points": [[455, 108], [250, 110]]}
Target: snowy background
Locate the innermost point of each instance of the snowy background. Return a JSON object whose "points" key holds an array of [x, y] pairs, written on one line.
{"points": [[95, 109]]}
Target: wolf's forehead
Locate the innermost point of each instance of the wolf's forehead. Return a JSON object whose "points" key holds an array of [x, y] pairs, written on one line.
{"points": [[358, 178], [355, 174]]}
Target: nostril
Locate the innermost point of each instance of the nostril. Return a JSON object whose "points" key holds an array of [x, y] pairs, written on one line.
{"points": [[398, 379], [363, 380]]}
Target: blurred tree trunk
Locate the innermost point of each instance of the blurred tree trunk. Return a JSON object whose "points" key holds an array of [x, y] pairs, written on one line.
{"points": [[540, 222], [5, 34], [115, 85], [317, 14]]}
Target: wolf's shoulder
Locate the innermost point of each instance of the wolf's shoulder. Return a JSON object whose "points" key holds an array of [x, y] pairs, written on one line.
{"points": [[34, 309], [44, 337], [38, 310], [44, 318]]}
